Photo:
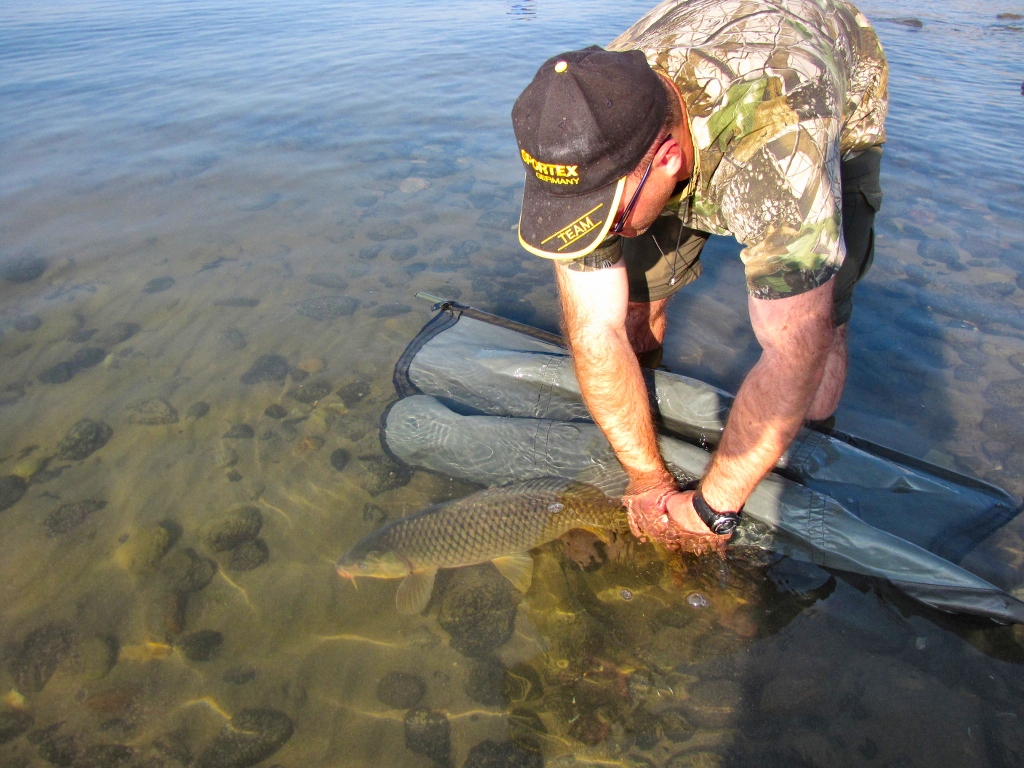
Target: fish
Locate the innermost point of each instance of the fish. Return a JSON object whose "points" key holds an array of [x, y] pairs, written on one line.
{"points": [[497, 525]]}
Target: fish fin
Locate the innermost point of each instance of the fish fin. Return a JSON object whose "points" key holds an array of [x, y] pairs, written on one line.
{"points": [[414, 591], [516, 568]]}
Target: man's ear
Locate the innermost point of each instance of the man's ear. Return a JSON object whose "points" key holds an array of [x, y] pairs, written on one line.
{"points": [[671, 160]]}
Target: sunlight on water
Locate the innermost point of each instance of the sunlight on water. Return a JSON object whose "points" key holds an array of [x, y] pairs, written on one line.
{"points": [[215, 217]]}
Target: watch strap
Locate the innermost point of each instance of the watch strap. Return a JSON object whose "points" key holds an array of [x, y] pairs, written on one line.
{"points": [[721, 523]]}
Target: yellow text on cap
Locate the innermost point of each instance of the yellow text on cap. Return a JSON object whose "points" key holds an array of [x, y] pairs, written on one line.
{"points": [[561, 66]]}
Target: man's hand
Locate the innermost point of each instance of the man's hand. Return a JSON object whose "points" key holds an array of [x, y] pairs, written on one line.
{"points": [[666, 515]]}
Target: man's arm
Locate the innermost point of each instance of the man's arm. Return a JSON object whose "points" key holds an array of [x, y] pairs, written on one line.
{"points": [[795, 334], [594, 306]]}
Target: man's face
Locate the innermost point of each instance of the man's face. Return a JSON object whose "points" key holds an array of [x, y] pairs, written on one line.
{"points": [[657, 190]]}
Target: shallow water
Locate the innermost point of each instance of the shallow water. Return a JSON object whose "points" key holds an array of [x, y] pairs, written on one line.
{"points": [[188, 187]]}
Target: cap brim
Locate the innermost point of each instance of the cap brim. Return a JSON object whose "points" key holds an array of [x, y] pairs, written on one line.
{"points": [[560, 227]]}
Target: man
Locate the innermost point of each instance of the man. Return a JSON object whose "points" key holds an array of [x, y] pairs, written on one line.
{"points": [[739, 117]]}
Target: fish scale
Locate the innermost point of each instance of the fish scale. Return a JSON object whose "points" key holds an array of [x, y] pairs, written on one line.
{"points": [[494, 523]]}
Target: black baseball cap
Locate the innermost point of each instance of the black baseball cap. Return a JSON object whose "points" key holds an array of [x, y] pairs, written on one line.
{"points": [[583, 124]]}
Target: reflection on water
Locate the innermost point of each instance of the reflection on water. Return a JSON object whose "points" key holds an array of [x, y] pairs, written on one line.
{"points": [[214, 220]]}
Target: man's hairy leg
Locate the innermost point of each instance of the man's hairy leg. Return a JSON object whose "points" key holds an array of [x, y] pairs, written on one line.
{"points": [[645, 325], [826, 399]]}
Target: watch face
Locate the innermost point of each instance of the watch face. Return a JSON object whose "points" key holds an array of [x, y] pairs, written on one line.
{"points": [[725, 524]]}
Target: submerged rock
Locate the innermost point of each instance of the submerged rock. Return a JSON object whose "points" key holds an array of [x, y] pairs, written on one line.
{"points": [[198, 410], [275, 411], [12, 488], [340, 458], [239, 675], [1008, 393], [249, 555], [266, 368], [83, 439], [82, 336], [391, 310], [11, 393], [55, 748], [69, 516], [203, 645], [145, 548], [105, 756], [310, 391], [233, 339], [40, 654], [485, 684], [13, 723], [478, 611], [231, 529], [328, 307], [328, 280], [428, 733], [88, 357], [22, 269], [352, 393], [152, 412], [385, 474], [117, 333], [387, 230], [27, 323], [158, 284], [505, 754], [187, 571], [401, 690], [59, 373], [240, 432], [252, 735]]}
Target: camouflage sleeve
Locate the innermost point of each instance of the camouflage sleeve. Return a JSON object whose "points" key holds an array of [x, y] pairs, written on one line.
{"points": [[607, 254], [784, 203]]}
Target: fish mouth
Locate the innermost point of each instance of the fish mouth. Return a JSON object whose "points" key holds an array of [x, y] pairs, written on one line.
{"points": [[347, 576]]}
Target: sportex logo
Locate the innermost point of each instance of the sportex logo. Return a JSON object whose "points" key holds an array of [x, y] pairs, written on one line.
{"points": [[552, 174]]}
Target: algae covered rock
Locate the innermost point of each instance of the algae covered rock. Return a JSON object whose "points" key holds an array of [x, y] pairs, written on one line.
{"points": [[203, 645], [505, 754], [401, 690], [13, 723], [152, 412], [428, 733], [12, 488], [69, 516], [83, 439], [251, 735], [187, 571], [249, 555], [478, 611], [39, 655], [232, 528], [266, 368]]}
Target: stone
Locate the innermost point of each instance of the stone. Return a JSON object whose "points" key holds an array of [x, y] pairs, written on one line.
{"points": [[39, 655], [88, 357], [1003, 424], [676, 726], [695, 759], [69, 516], [82, 336], [370, 253], [225, 456], [55, 748], [153, 412], [391, 310], [908, 22], [197, 410], [13, 723], [22, 269], [105, 756], [27, 323], [232, 339], [352, 393], [505, 754], [501, 221], [266, 368], [520, 684], [328, 280], [385, 474], [298, 374], [237, 301], [478, 611], [96, 656], [428, 733], [186, 571], [58, 374], [158, 284], [239, 675], [234, 476], [117, 333], [485, 682], [240, 432], [1008, 393], [356, 271], [251, 735], [275, 411], [312, 365], [340, 458], [83, 439], [403, 252], [12, 488], [309, 392], [328, 307], [249, 555], [365, 201], [231, 529], [203, 645], [11, 393], [144, 549], [401, 690], [387, 230], [413, 184], [590, 729]]}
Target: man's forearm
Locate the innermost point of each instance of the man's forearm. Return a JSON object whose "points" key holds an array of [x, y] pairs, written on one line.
{"points": [[769, 409]]}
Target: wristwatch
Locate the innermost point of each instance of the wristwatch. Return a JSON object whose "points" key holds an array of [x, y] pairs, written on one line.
{"points": [[722, 523]]}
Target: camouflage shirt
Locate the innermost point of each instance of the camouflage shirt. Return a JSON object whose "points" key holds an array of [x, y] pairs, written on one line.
{"points": [[777, 94]]}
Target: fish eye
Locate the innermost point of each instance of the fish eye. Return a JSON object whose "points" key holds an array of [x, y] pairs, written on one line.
{"points": [[361, 566]]}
